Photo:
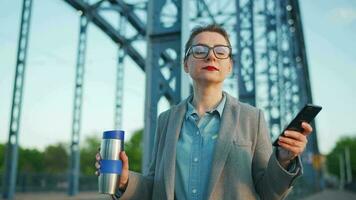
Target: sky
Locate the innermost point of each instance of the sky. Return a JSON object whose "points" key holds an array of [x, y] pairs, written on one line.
{"points": [[330, 37]]}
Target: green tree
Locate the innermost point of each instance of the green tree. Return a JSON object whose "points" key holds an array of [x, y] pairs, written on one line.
{"points": [[339, 149], [30, 160], [133, 149], [2, 158], [87, 154], [55, 158]]}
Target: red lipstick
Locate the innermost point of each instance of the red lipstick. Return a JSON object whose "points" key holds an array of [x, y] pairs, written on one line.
{"points": [[211, 68]]}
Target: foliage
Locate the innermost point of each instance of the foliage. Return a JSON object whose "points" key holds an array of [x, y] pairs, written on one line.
{"points": [[339, 149], [133, 149], [30, 160], [2, 157], [87, 154], [55, 158]]}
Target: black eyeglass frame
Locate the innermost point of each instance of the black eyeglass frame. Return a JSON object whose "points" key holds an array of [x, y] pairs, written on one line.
{"points": [[189, 51]]}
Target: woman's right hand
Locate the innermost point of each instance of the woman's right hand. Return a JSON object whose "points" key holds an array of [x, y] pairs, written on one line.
{"points": [[124, 177]]}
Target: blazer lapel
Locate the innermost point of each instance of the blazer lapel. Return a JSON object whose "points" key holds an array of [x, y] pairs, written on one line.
{"points": [[224, 141], [173, 129]]}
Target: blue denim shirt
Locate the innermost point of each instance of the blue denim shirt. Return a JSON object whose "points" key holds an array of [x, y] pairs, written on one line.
{"points": [[195, 152]]}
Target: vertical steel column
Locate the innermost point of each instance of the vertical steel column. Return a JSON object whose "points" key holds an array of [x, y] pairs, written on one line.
{"points": [[74, 172], [245, 51], [348, 165], [163, 65], [341, 171], [120, 78], [300, 58], [300, 52], [272, 70], [11, 156], [284, 60], [312, 176], [292, 98]]}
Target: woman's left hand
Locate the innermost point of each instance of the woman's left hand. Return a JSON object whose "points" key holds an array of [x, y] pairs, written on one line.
{"points": [[292, 144]]}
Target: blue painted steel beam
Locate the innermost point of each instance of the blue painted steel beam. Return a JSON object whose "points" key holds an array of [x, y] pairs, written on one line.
{"points": [[11, 157], [105, 26], [127, 11], [119, 90], [74, 168], [162, 39], [312, 176], [246, 51], [205, 8], [273, 70]]}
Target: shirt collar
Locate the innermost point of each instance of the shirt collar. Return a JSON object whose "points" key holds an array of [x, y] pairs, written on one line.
{"points": [[192, 111]]}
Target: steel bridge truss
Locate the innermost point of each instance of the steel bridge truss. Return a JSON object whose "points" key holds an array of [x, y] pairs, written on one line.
{"points": [[270, 64]]}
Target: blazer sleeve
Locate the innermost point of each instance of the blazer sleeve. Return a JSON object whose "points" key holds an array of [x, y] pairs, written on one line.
{"points": [[271, 180], [140, 186]]}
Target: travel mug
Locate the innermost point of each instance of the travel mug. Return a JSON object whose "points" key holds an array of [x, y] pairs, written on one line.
{"points": [[110, 164]]}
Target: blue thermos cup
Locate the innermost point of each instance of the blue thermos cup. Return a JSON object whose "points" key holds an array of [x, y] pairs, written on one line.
{"points": [[110, 165]]}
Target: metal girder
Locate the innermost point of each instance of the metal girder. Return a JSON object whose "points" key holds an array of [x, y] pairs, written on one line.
{"points": [[119, 90], [246, 51], [163, 77], [11, 157], [217, 12], [300, 53], [74, 168], [285, 62], [127, 11], [273, 70], [105, 26], [295, 84], [312, 176], [203, 7]]}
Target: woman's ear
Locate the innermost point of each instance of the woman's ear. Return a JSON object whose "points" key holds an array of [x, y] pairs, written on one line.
{"points": [[231, 65], [186, 69]]}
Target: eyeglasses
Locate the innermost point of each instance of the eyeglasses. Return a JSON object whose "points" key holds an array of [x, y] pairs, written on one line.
{"points": [[201, 51]]}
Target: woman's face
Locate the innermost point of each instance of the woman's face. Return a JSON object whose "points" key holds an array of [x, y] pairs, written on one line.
{"points": [[211, 69]]}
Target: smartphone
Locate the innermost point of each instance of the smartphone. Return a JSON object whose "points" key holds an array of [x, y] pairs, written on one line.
{"points": [[307, 114]]}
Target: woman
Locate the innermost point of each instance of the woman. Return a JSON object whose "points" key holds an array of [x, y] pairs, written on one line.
{"points": [[211, 146]]}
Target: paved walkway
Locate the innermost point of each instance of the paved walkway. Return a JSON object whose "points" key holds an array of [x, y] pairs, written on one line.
{"points": [[60, 196], [333, 195], [325, 195]]}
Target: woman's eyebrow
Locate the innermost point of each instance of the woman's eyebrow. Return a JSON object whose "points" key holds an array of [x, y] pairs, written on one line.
{"points": [[209, 45]]}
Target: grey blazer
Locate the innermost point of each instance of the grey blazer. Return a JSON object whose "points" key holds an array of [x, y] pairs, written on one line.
{"points": [[244, 166]]}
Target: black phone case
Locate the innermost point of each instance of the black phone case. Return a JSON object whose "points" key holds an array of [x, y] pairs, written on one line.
{"points": [[307, 114]]}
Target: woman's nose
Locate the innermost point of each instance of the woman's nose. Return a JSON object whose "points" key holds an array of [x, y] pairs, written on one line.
{"points": [[211, 55]]}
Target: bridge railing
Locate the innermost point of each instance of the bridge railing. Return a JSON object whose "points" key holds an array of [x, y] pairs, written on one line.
{"points": [[40, 182]]}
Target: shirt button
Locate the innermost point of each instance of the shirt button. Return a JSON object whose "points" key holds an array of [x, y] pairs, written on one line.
{"points": [[194, 191], [196, 159], [197, 133]]}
